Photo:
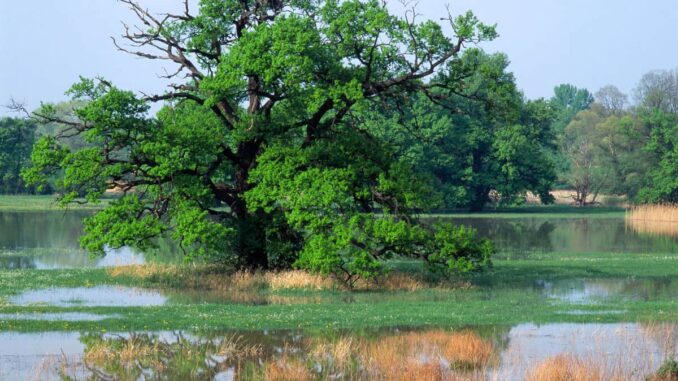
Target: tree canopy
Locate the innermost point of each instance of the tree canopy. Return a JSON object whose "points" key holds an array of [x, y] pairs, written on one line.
{"points": [[16, 142], [260, 156], [480, 144]]}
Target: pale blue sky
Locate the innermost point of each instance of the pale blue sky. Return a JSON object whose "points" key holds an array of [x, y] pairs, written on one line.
{"points": [[46, 44]]}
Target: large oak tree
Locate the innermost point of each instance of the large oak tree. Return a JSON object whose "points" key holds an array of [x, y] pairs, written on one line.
{"points": [[259, 156]]}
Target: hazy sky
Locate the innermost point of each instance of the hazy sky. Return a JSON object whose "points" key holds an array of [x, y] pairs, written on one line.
{"points": [[46, 44]]}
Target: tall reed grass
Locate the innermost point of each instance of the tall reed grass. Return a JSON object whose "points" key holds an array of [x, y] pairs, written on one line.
{"points": [[655, 219], [207, 277]]}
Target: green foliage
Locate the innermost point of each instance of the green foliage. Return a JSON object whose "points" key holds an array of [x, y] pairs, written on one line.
{"points": [[661, 181], [485, 140], [605, 153], [667, 372], [262, 157], [569, 100], [16, 141]]}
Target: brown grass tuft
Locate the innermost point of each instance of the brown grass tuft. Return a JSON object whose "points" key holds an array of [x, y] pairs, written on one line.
{"points": [[417, 371], [401, 281], [299, 279], [285, 369], [400, 357], [657, 219], [214, 278], [564, 368], [468, 350]]}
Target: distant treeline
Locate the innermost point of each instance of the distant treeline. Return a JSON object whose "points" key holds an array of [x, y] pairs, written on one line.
{"points": [[488, 144]]}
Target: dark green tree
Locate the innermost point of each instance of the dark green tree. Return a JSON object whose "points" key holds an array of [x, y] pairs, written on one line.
{"points": [[16, 142], [569, 100], [479, 140], [661, 180], [260, 157]]}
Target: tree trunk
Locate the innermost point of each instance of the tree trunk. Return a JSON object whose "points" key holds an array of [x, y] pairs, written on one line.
{"points": [[251, 240], [481, 196], [251, 244]]}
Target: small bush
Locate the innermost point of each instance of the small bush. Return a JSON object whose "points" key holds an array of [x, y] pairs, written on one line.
{"points": [[667, 372]]}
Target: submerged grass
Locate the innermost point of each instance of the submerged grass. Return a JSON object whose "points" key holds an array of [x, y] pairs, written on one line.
{"points": [[511, 292], [394, 355], [567, 368], [425, 355]]}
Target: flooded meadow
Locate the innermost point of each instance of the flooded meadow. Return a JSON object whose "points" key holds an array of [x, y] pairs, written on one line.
{"points": [[585, 298]]}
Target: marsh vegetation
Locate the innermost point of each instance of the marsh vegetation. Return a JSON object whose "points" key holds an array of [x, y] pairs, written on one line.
{"points": [[548, 308], [328, 190]]}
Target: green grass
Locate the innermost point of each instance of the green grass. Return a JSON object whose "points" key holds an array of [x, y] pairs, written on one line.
{"points": [[505, 295], [537, 211], [47, 202], [40, 203]]}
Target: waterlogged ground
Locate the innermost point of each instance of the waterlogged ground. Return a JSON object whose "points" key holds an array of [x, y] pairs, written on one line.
{"points": [[627, 351], [582, 289]]}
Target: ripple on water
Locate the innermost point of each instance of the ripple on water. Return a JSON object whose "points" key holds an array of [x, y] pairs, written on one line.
{"points": [[99, 296]]}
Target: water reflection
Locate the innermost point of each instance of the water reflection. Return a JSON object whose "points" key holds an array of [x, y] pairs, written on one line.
{"points": [[16, 262], [64, 258], [568, 235], [591, 291], [48, 240], [53, 229], [619, 351], [100, 296]]}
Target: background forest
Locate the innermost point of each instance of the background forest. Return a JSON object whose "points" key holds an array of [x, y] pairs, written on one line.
{"points": [[488, 145]]}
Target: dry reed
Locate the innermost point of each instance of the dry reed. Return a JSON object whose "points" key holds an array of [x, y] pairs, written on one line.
{"points": [[423, 353], [656, 219], [215, 278], [564, 368], [285, 369], [467, 349]]}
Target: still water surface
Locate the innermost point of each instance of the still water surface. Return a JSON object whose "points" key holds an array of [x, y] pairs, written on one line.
{"points": [[568, 235], [49, 240], [633, 350]]}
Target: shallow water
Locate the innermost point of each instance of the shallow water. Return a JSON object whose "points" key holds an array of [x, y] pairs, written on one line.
{"points": [[591, 291], [57, 316], [568, 235], [50, 240], [99, 296], [36, 356], [633, 350]]}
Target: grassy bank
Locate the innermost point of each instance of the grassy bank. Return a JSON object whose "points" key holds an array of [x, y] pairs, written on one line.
{"points": [[48, 202], [40, 203], [512, 292], [537, 211]]}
